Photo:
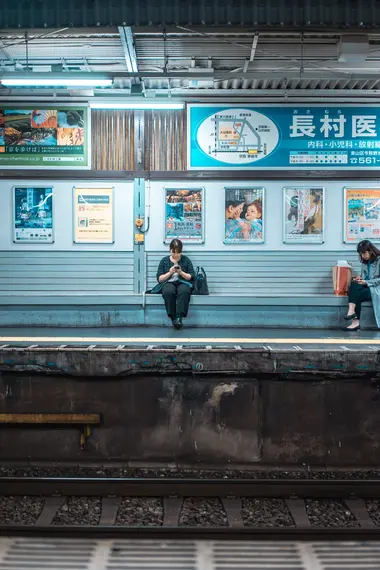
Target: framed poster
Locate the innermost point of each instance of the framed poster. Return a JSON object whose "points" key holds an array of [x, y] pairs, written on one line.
{"points": [[292, 137], [184, 214], [45, 137], [93, 215], [33, 214], [361, 214], [244, 217], [303, 215]]}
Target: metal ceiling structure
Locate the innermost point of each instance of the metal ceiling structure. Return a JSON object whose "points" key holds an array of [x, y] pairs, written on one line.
{"points": [[197, 49], [262, 13]]}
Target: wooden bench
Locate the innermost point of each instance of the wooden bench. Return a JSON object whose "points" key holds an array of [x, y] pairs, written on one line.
{"points": [[84, 421]]}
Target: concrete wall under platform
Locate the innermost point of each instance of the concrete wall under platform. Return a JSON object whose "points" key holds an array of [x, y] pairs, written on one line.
{"points": [[182, 418], [288, 313]]}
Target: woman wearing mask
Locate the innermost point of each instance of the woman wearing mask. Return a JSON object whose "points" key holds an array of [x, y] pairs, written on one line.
{"points": [[176, 275], [366, 287]]}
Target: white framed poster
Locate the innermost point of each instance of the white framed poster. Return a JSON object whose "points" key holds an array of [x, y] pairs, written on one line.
{"points": [[93, 215], [303, 215], [33, 214], [361, 214], [244, 219], [184, 214]]}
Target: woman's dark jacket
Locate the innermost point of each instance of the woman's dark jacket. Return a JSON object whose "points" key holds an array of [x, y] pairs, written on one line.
{"points": [[164, 267]]}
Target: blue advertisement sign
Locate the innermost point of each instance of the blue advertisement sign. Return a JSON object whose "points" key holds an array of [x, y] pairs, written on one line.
{"points": [[302, 137]]}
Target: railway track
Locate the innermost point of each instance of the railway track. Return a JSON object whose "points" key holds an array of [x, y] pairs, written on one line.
{"points": [[230, 495]]}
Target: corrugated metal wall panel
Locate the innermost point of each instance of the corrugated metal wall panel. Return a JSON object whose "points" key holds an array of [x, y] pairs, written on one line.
{"points": [[112, 140], [165, 140], [276, 273], [66, 272], [61, 13]]}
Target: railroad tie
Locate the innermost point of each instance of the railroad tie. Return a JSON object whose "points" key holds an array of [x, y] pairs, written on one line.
{"points": [[232, 506], [359, 510], [298, 511], [110, 506], [51, 507], [172, 511]]}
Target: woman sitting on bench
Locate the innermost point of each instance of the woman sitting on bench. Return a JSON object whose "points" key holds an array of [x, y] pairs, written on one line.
{"points": [[176, 274], [366, 287]]}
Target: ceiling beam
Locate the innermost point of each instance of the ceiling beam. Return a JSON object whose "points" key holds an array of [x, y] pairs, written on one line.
{"points": [[253, 52], [126, 38]]}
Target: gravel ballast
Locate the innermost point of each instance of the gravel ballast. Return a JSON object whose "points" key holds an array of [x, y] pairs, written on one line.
{"points": [[79, 510], [20, 510], [330, 514], [198, 511], [143, 511], [266, 513], [373, 508]]}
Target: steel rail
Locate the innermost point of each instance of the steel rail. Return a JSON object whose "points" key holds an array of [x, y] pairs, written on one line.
{"points": [[166, 487], [191, 533]]}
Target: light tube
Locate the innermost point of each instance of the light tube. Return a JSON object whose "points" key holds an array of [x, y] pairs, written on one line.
{"points": [[137, 106], [54, 82]]}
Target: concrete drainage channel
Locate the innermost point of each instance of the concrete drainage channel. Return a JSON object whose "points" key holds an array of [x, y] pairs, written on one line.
{"points": [[57, 554]]}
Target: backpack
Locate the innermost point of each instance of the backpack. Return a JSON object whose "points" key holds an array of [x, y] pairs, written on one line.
{"points": [[200, 282]]}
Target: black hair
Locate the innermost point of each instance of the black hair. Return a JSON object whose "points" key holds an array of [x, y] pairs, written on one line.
{"points": [[176, 245], [366, 245], [234, 203]]}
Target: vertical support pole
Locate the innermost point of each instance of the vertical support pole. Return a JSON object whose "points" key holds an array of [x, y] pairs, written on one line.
{"points": [[139, 202], [138, 246]]}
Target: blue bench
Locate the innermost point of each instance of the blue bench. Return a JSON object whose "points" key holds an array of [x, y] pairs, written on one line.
{"points": [[259, 288]]}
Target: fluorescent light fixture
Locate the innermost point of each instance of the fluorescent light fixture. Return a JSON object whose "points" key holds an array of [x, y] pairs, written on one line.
{"points": [[146, 105], [49, 80]]}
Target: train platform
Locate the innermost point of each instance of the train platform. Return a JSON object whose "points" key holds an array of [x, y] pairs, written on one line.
{"points": [[186, 554], [196, 396], [234, 337], [110, 351]]}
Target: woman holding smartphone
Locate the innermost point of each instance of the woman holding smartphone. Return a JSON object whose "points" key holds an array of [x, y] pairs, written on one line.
{"points": [[176, 274], [366, 287]]}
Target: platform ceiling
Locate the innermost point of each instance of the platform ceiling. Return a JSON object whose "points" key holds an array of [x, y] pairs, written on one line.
{"points": [[199, 48]]}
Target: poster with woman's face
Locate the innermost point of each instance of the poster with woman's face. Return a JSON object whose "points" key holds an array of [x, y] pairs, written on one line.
{"points": [[244, 215], [303, 215]]}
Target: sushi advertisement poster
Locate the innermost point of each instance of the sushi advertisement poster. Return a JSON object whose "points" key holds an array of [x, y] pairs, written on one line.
{"points": [[55, 137], [184, 214], [93, 215], [361, 214], [33, 214]]}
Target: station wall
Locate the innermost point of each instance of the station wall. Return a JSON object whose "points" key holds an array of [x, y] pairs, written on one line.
{"points": [[63, 216], [214, 215]]}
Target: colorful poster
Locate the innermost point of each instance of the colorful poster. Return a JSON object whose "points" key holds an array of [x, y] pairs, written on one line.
{"points": [[184, 214], [93, 215], [303, 215], [44, 138], [33, 214], [361, 214], [244, 215], [335, 137]]}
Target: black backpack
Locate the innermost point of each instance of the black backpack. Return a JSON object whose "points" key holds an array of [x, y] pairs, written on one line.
{"points": [[200, 282]]}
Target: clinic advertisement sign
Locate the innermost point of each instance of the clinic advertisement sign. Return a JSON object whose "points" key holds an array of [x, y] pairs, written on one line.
{"points": [[93, 215], [45, 137], [289, 137]]}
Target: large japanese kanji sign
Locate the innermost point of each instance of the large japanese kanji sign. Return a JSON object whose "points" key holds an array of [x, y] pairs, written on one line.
{"points": [[287, 137]]}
